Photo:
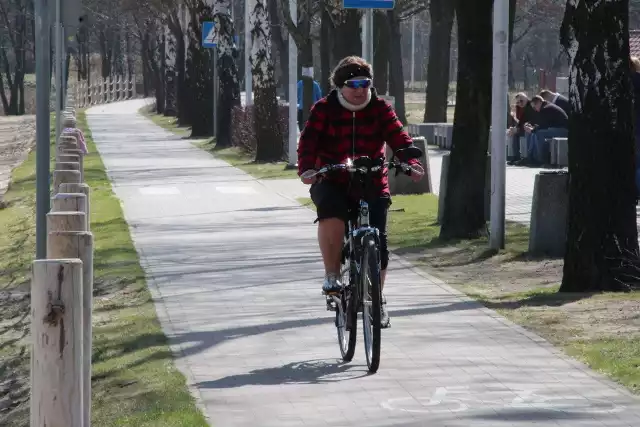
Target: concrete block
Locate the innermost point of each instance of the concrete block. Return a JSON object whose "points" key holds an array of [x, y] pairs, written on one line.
{"points": [[549, 214], [427, 130], [562, 147], [438, 135], [553, 152], [448, 134], [402, 184]]}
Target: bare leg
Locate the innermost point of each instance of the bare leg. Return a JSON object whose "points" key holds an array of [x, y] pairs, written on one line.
{"points": [[330, 238], [383, 276]]}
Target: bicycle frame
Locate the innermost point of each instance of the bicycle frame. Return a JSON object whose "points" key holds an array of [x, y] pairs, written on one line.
{"points": [[355, 237]]}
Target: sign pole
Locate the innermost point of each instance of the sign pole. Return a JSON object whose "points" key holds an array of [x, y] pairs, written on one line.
{"points": [[43, 123], [293, 91], [499, 122], [210, 41], [215, 90]]}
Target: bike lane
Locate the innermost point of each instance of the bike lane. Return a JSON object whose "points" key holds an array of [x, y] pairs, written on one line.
{"points": [[236, 273]]}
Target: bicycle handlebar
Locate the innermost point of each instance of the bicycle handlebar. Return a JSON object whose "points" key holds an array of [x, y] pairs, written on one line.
{"points": [[413, 169]]}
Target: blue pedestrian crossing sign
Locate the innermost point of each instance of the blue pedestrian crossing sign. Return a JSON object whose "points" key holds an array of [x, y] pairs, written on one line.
{"points": [[368, 4], [209, 34]]}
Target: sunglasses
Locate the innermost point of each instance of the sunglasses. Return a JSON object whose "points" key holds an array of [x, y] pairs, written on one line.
{"points": [[358, 84]]}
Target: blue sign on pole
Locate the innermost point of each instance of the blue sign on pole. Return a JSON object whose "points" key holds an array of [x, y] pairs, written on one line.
{"points": [[368, 4], [209, 34]]}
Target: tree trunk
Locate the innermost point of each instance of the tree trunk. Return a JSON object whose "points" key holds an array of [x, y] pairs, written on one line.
{"points": [[170, 90], [182, 94], [512, 20], [266, 121], [159, 72], [229, 89], [199, 82], [396, 78], [306, 61], [602, 239], [347, 36], [464, 201], [282, 46], [442, 14], [326, 41], [381, 51]]}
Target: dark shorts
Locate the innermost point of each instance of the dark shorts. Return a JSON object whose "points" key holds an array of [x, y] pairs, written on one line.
{"points": [[332, 201]]}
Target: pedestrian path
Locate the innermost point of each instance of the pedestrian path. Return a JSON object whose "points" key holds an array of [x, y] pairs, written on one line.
{"points": [[235, 271]]}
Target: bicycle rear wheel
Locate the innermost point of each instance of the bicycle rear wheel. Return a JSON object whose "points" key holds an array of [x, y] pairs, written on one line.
{"points": [[371, 303]]}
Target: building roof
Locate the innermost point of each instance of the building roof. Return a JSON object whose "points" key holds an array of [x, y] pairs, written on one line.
{"points": [[634, 42]]}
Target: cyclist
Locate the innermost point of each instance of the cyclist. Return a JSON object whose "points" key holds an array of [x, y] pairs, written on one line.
{"points": [[350, 121]]}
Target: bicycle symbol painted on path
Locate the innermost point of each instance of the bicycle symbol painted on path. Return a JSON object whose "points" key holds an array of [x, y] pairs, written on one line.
{"points": [[446, 400]]}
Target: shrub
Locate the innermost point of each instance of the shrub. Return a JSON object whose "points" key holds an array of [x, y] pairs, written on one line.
{"points": [[242, 133]]}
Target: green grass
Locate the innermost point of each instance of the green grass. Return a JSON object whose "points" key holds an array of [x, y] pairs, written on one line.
{"points": [[412, 226], [618, 358], [597, 329], [165, 122], [233, 155], [244, 161], [415, 112], [134, 379]]}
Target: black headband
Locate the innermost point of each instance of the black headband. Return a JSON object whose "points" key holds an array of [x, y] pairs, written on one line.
{"points": [[350, 71]]}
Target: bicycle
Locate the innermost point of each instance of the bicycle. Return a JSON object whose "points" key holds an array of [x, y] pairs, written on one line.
{"points": [[360, 269]]}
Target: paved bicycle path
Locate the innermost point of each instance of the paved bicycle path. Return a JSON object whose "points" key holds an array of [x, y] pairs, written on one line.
{"points": [[235, 271]]}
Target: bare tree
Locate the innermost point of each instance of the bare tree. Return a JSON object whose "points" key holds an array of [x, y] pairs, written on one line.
{"points": [[268, 133], [13, 43], [227, 72], [464, 200], [442, 13], [602, 240]]}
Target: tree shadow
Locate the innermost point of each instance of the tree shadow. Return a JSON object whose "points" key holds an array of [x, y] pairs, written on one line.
{"points": [[459, 252], [196, 342], [556, 299], [318, 371]]}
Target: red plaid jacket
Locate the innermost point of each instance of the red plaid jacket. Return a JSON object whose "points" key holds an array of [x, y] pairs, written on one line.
{"points": [[332, 134]]}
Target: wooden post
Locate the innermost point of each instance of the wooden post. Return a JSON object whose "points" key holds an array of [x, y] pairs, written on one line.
{"points": [[69, 158], [68, 139], [80, 188], [74, 244], [77, 152], [56, 330], [67, 166], [60, 177], [69, 202], [65, 143], [66, 221]]}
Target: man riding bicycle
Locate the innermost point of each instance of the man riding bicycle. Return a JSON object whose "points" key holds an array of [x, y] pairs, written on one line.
{"points": [[351, 121]]}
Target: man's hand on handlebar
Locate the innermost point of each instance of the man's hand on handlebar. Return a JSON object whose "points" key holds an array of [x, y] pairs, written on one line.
{"points": [[312, 177], [417, 172]]}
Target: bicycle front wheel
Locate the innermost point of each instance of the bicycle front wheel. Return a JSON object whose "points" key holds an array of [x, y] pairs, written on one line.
{"points": [[371, 303]]}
